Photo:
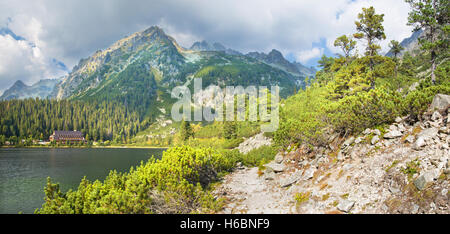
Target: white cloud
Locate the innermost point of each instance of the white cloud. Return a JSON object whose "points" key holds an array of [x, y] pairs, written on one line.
{"points": [[306, 55], [71, 30], [22, 60], [395, 19]]}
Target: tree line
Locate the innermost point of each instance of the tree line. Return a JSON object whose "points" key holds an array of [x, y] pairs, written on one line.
{"points": [[37, 119]]}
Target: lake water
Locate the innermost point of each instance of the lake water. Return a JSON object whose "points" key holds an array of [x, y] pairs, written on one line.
{"points": [[24, 172]]}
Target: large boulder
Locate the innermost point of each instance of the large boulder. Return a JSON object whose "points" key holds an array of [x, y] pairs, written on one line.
{"points": [[309, 173], [279, 158], [275, 167], [375, 139], [428, 133], [345, 205], [427, 177], [440, 102], [393, 134]]}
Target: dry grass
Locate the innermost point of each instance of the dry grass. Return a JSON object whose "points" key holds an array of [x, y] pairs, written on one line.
{"points": [[325, 197], [323, 186]]}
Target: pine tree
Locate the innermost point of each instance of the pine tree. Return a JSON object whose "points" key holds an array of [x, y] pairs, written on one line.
{"points": [[230, 130], [347, 45], [396, 48], [186, 130], [370, 27], [432, 16]]}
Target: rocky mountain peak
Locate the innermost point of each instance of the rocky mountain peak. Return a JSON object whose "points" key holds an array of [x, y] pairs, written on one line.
{"points": [[276, 56], [19, 84], [216, 46]]}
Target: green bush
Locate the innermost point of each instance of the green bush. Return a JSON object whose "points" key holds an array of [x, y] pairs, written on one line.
{"points": [[302, 117], [177, 183], [417, 102], [353, 114], [233, 143], [259, 156]]}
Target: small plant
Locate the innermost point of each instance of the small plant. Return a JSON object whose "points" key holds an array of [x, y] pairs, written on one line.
{"points": [[301, 198], [341, 172], [411, 168], [335, 203], [261, 170], [394, 163]]}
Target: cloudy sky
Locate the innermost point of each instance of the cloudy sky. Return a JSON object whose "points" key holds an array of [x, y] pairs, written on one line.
{"points": [[36, 34]]}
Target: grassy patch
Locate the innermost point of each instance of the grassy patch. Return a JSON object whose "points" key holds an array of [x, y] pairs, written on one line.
{"points": [[301, 198], [394, 163], [411, 168]]}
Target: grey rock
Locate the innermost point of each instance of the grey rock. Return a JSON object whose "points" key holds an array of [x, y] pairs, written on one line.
{"points": [[254, 142], [420, 142], [276, 167], [401, 127], [410, 139], [291, 179], [367, 131], [436, 116], [358, 140], [420, 182], [428, 133], [377, 132], [340, 156], [393, 134], [413, 86], [347, 167], [279, 158], [345, 205], [427, 177], [387, 143], [375, 139], [393, 128], [444, 192], [398, 119], [269, 175], [440, 102], [349, 141], [415, 209], [309, 173], [394, 190]]}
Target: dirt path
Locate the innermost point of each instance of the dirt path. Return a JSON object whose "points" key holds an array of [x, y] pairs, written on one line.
{"points": [[247, 192]]}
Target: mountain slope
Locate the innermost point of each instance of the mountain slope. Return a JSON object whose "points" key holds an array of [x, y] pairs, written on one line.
{"points": [[140, 71], [410, 44], [206, 46], [151, 48], [276, 59], [42, 89]]}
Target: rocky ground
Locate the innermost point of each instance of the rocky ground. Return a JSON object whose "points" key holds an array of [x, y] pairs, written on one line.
{"points": [[404, 169], [254, 143]]}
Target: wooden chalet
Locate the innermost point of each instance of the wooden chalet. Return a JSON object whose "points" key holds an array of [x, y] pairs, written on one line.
{"points": [[67, 137]]}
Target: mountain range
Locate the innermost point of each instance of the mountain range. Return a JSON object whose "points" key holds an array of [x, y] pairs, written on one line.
{"points": [[140, 70], [19, 90], [410, 45]]}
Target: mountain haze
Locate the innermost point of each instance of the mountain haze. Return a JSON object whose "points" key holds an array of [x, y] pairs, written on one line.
{"points": [[19, 90], [140, 70]]}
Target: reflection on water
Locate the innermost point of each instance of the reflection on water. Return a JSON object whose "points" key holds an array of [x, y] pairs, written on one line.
{"points": [[23, 172]]}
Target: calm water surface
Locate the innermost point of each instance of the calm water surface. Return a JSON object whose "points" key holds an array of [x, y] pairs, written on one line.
{"points": [[23, 172]]}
